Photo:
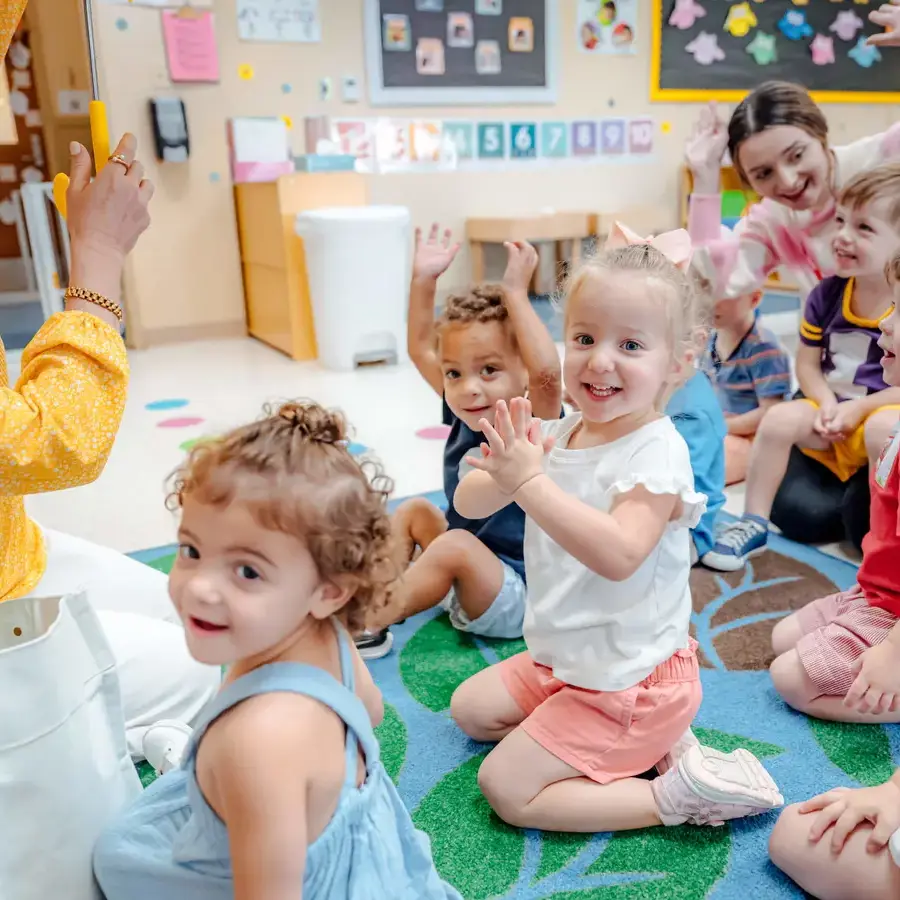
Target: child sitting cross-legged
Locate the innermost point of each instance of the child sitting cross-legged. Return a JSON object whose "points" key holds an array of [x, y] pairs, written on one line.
{"points": [[847, 410], [751, 372], [832, 643], [284, 543], [609, 684], [487, 345]]}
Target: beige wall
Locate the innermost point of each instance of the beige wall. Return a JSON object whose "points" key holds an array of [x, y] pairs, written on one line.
{"points": [[185, 273]]}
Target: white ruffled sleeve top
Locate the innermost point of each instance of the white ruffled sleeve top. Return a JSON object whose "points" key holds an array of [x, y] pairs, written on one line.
{"points": [[592, 632]]}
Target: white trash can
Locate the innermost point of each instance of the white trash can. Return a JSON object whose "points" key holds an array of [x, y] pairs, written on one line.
{"points": [[357, 259]]}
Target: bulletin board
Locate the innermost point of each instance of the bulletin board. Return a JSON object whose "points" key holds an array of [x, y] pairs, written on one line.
{"points": [[445, 52], [820, 45]]}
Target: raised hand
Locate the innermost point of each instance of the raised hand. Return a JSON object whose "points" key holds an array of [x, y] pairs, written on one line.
{"points": [[888, 17], [433, 255], [521, 261], [706, 148]]}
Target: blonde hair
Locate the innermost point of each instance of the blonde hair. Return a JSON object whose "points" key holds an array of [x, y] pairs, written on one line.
{"points": [[294, 472], [687, 306], [880, 183]]}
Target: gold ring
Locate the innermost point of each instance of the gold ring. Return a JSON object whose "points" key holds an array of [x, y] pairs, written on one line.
{"points": [[120, 159]]}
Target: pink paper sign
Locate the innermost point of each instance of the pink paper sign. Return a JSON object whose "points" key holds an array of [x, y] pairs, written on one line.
{"points": [[191, 46]]}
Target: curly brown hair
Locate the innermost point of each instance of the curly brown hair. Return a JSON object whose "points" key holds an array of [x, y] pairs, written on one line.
{"points": [[294, 471], [483, 303]]}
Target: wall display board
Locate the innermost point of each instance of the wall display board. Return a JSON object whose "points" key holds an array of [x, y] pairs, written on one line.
{"points": [[708, 49], [444, 52]]}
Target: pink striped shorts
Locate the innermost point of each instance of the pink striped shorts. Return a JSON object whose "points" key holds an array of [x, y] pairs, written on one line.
{"points": [[837, 630]]}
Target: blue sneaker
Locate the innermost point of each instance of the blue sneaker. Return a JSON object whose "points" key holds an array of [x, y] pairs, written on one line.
{"points": [[737, 543]]}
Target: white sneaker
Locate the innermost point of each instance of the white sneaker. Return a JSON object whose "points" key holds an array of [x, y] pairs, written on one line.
{"points": [[164, 744], [708, 788], [672, 758]]}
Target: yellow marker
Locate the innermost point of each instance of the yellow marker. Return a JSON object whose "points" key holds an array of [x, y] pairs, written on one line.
{"points": [[97, 113]]}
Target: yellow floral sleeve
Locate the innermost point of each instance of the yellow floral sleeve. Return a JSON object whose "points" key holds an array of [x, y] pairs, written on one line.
{"points": [[10, 14], [58, 425]]}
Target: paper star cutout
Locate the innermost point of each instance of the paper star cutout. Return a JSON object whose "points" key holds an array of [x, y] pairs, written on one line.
{"points": [[740, 20], [846, 25], [793, 25], [762, 48], [864, 55], [705, 49], [822, 49], [686, 12]]}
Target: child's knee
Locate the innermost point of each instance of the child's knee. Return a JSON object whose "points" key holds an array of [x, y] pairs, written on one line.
{"points": [[782, 423], [465, 710], [493, 781], [785, 635], [789, 837], [878, 429], [791, 681], [453, 550]]}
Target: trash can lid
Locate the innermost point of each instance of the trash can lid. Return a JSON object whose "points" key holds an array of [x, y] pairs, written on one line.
{"points": [[356, 214]]}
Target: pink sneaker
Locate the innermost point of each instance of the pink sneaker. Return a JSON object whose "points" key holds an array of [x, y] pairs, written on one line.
{"points": [[707, 787], [670, 760]]}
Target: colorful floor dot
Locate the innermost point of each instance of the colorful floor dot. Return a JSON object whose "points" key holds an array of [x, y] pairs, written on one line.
{"points": [[434, 433], [214, 177], [189, 445], [357, 449], [122, 24], [286, 89], [173, 403], [185, 422], [245, 72], [288, 121]]}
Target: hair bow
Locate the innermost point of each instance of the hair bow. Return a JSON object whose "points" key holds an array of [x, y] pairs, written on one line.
{"points": [[674, 245]]}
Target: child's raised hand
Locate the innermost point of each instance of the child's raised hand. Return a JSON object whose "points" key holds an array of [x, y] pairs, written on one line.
{"points": [[876, 688], [515, 448], [433, 255], [521, 261], [845, 809], [888, 17], [707, 144]]}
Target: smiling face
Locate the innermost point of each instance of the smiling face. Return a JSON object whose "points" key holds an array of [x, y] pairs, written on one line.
{"points": [[481, 365], [890, 341], [619, 357], [243, 591], [787, 164], [866, 240]]}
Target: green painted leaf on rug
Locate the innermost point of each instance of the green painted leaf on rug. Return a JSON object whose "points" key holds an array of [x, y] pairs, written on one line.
{"points": [[473, 850], [862, 751], [558, 849], [163, 563], [680, 864], [505, 649], [391, 735], [721, 740], [436, 660]]}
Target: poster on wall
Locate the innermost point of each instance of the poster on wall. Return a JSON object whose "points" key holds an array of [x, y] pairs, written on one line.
{"points": [[282, 21], [607, 26]]}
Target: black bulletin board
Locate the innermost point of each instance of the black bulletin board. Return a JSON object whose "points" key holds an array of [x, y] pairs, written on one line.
{"points": [[676, 76], [524, 77]]}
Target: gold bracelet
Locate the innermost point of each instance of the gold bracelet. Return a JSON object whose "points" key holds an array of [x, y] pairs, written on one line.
{"points": [[77, 293]]}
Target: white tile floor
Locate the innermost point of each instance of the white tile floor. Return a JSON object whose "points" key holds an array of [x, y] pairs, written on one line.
{"points": [[227, 383]]}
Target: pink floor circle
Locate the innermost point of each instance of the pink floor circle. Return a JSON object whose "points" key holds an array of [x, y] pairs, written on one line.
{"points": [[184, 422], [434, 433]]}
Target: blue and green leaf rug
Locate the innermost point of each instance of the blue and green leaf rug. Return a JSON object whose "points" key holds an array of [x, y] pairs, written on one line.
{"points": [[435, 765]]}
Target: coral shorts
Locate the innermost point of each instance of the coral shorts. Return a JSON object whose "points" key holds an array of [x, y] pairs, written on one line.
{"points": [[837, 630], [607, 735], [844, 458]]}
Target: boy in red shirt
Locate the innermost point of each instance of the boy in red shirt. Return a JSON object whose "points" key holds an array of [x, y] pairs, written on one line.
{"points": [[838, 658]]}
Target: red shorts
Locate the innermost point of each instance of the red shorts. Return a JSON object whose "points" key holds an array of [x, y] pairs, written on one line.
{"points": [[837, 630], [607, 735]]}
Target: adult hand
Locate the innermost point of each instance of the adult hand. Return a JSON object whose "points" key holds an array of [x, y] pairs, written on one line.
{"points": [[515, 448], [434, 255], [706, 148], [108, 215], [521, 261], [888, 17], [846, 809]]}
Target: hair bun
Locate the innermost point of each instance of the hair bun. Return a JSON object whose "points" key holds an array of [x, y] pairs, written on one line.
{"points": [[314, 422]]}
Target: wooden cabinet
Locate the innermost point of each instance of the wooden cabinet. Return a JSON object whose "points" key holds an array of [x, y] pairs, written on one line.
{"points": [[275, 282]]}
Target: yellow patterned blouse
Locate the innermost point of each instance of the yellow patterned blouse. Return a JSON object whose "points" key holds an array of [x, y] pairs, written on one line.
{"points": [[56, 430], [10, 13]]}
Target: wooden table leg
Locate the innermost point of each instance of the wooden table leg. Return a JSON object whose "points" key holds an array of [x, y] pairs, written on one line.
{"points": [[476, 254]]}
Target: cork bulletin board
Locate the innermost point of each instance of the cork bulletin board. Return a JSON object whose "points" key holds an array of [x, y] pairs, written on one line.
{"points": [[445, 52]]}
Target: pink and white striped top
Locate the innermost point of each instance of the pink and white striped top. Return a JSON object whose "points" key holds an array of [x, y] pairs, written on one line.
{"points": [[772, 236]]}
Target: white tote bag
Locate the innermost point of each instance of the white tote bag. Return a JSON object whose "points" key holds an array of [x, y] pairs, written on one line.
{"points": [[64, 765]]}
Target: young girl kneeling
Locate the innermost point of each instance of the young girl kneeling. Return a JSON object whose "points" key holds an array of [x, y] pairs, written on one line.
{"points": [[610, 682], [284, 545]]}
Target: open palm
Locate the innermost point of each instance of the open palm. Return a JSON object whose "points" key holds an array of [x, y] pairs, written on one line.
{"points": [[708, 142], [434, 254]]}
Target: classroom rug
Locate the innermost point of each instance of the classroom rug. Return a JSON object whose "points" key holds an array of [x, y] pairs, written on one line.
{"points": [[435, 765]]}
